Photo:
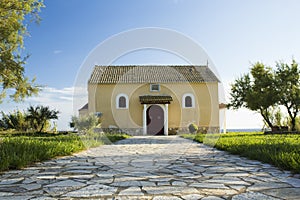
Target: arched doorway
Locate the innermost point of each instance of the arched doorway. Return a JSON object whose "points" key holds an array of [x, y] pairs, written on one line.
{"points": [[155, 120]]}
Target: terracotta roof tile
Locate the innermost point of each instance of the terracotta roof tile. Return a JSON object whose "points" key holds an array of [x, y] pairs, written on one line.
{"points": [[152, 74]]}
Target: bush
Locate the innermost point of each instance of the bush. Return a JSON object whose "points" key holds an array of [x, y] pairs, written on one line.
{"points": [[85, 123], [193, 128], [172, 131]]}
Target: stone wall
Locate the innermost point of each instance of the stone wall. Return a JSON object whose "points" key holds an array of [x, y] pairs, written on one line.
{"points": [[172, 131]]}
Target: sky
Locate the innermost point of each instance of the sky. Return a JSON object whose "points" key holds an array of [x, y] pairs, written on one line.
{"points": [[233, 33]]}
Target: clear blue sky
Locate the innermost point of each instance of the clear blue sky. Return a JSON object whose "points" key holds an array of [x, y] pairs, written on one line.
{"points": [[234, 34]]}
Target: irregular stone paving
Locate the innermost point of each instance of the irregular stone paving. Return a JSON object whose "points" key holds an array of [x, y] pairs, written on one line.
{"points": [[151, 167]]}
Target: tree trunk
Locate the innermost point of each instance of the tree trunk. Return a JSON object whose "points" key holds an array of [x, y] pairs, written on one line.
{"points": [[292, 117], [293, 123], [266, 118], [42, 127]]}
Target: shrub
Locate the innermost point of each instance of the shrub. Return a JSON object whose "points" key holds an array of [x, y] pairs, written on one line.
{"points": [[15, 120], [85, 123], [173, 131], [193, 128]]}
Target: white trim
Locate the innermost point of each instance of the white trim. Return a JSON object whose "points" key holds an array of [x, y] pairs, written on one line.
{"points": [[166, 118], [183, 100], [117, 100], [145, 119], [154, 90]]}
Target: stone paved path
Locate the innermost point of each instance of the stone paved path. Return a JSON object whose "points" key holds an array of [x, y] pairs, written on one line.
{"points": [[155, 167]]}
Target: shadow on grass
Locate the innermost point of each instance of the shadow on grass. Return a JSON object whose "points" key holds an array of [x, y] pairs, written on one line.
{"points": [[282, 151]]}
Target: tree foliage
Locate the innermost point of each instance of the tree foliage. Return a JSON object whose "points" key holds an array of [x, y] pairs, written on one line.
{"points": [[35, 119], [13, 28], [15, 120], [255, 91], [39, 116], [85, 123], [287, 81], [264, 89]]}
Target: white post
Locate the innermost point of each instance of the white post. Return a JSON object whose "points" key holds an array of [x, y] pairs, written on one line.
{"points": [[224, 128], [166, 120], [145, 120]]}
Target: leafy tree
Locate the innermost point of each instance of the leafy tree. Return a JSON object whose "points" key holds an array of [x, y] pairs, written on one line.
{"points": [[39, 117], [13, 28], [15, 120], [85, 123], [287, 80], [255, 91]]}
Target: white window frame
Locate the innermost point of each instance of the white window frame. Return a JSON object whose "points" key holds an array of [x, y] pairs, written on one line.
{"points": [[192, 97], [117, 101], [151, 90]]}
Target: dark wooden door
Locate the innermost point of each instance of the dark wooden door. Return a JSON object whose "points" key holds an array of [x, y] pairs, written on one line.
{"points": [[155, 120]]}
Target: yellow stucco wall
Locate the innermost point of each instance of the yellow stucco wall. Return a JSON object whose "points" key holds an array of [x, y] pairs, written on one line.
{"points": [[102, 98]]}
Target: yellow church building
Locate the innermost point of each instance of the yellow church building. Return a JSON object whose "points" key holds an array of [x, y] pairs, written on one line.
{"points": [[154, 99]]}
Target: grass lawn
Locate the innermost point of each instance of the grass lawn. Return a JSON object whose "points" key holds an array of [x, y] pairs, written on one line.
{"points": [[20, 150], [282, 151]]}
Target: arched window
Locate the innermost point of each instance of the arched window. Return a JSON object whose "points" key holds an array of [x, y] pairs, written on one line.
{"points": [[188, 101], [122, 101]]}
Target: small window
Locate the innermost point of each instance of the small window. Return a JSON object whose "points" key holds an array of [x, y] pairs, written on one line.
{"points": [[122, 101], [154, 87], [188, 101]]}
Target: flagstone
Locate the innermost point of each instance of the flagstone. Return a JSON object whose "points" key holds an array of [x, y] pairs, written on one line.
{"points": [[92, 191], [179, 183], [3, 194], [11, 181], [166, 198], [16, 198], [238, 187], [212, 198], [266, 185], [284, 193], [192, 196], [31, 186], [169, 190], [217, 192], [175, 169], [252, 196], [163, 183], [227, 182], [132, 191], [209, 185], [295, 182]]}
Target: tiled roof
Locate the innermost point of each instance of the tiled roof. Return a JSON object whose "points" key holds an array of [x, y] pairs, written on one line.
{"points": [[152, 74], [155, 99]]}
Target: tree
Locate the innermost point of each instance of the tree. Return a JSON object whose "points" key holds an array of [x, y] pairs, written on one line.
{"points": [[15, 120], [39, 116], [287, 80], [255, 91], [85, 123], [13, 28]]}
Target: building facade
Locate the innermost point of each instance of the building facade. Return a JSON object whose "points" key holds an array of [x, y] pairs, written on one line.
{"points": [[153, 100]]}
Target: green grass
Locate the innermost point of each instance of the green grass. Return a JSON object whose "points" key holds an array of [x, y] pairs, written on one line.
{"points": [[282, 151], [20, 150]]}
